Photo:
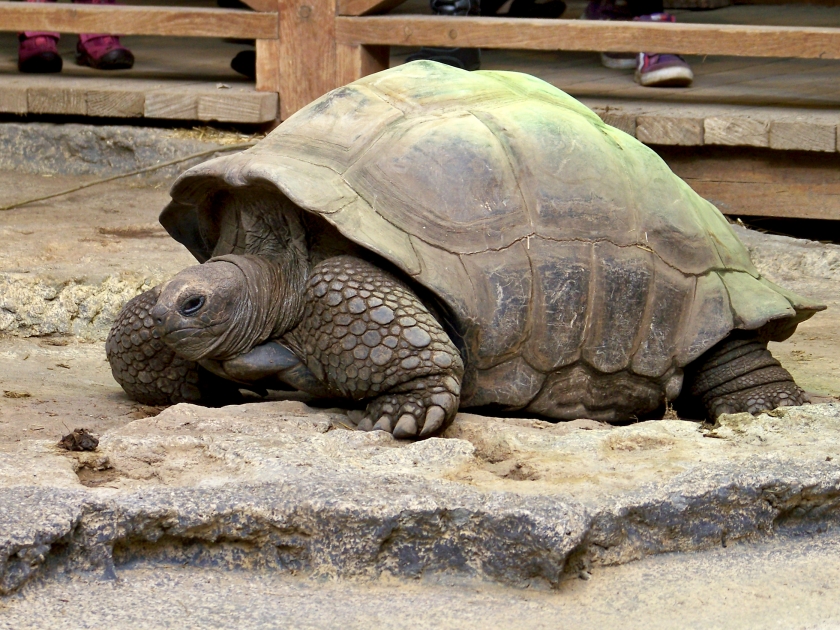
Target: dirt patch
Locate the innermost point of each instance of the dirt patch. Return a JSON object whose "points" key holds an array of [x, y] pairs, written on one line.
{"points": [[51, 388]]}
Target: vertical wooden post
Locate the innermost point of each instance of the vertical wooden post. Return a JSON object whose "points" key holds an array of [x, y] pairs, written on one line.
{"points": [[307, 52], [268, 53], [268, 65], [357, 61]]}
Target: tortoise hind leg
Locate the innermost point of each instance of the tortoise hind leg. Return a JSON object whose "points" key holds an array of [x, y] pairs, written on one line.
{"points": [[739, 374], [149, 371]]}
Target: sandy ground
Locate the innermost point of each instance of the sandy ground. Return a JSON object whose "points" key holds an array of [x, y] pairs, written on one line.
{"points": [[49, 385], [87, 234]]}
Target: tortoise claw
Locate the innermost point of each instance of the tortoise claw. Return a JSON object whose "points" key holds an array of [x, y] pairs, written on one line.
{"points": [[406, 427], [365, 425], [434, 421], [383, 424]]}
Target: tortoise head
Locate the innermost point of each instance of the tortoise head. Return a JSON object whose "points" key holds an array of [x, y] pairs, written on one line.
{"points": [[223, 308]]}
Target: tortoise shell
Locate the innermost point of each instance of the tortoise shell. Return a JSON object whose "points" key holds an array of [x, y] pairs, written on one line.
{"points": [[571, 258]]}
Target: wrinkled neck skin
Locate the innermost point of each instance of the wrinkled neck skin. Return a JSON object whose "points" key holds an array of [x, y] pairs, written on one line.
{"points": [[270, 303]]}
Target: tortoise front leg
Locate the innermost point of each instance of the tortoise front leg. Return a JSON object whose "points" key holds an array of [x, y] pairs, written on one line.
{"points": [[367, 336], [149, 371], [270, 365]]}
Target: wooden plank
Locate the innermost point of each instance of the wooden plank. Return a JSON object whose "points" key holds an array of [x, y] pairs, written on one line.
{"points": [[757, 182], [307, 52], [176, 104], [355, 62], [57, 100], [803, 134], [625, 122], [366, 7], [115, 103], [268, 65], [128, 20], [13, 97], [737, 131], [249, 107], [771, 200], [535, 34], [667, 130]]}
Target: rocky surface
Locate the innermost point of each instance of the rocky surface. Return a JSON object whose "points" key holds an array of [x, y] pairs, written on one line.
{"points": [[517, 501], [791, 583], [67, 265], [75, 149]]}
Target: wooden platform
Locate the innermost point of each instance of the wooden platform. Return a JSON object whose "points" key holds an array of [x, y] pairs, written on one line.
{"points": [[180, 79], [788, 104], [757, 136]]}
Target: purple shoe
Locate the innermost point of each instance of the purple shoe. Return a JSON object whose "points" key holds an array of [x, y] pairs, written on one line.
{"points": [[654, 70], [103, 52], [37, 53], [662, 70]]}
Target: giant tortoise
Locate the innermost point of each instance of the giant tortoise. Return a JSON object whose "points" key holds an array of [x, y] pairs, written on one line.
{"points": [[427, 238]]}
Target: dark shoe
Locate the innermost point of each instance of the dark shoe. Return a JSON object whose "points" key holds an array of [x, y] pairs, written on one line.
{"points": [[103, 53], [245, 62], [607, 10], [531, 9], [38, 54], [463, 58]]}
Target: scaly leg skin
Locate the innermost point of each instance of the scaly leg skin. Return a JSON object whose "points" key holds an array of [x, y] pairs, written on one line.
{"points": [[739, 374], [367, 336], [149, 371]]}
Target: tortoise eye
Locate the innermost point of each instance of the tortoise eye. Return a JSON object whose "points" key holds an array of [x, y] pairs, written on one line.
{"points": [[192, 306]]}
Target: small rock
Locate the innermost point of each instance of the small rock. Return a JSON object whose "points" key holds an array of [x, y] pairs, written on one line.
{"points": [[79, 440], [13, 394]]}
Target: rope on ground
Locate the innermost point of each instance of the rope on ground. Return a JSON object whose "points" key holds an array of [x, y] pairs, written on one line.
{"points": [[140, 171]]}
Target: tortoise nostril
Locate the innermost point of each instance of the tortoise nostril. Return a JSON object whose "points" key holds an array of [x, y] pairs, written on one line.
{"points": [[157, 313]]}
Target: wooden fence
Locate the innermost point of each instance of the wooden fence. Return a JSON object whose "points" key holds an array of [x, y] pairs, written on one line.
{"points": [[307, 47]]}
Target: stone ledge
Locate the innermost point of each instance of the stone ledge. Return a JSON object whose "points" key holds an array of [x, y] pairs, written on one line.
{"points": [[519, 502], [78, 149]]}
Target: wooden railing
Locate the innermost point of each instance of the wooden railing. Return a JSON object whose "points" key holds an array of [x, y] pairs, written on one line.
{"points": [[307, 47]]}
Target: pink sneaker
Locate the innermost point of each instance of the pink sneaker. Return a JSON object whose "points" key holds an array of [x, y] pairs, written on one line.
{"points": [[662, 70], [103, 52], [38, 53]]}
